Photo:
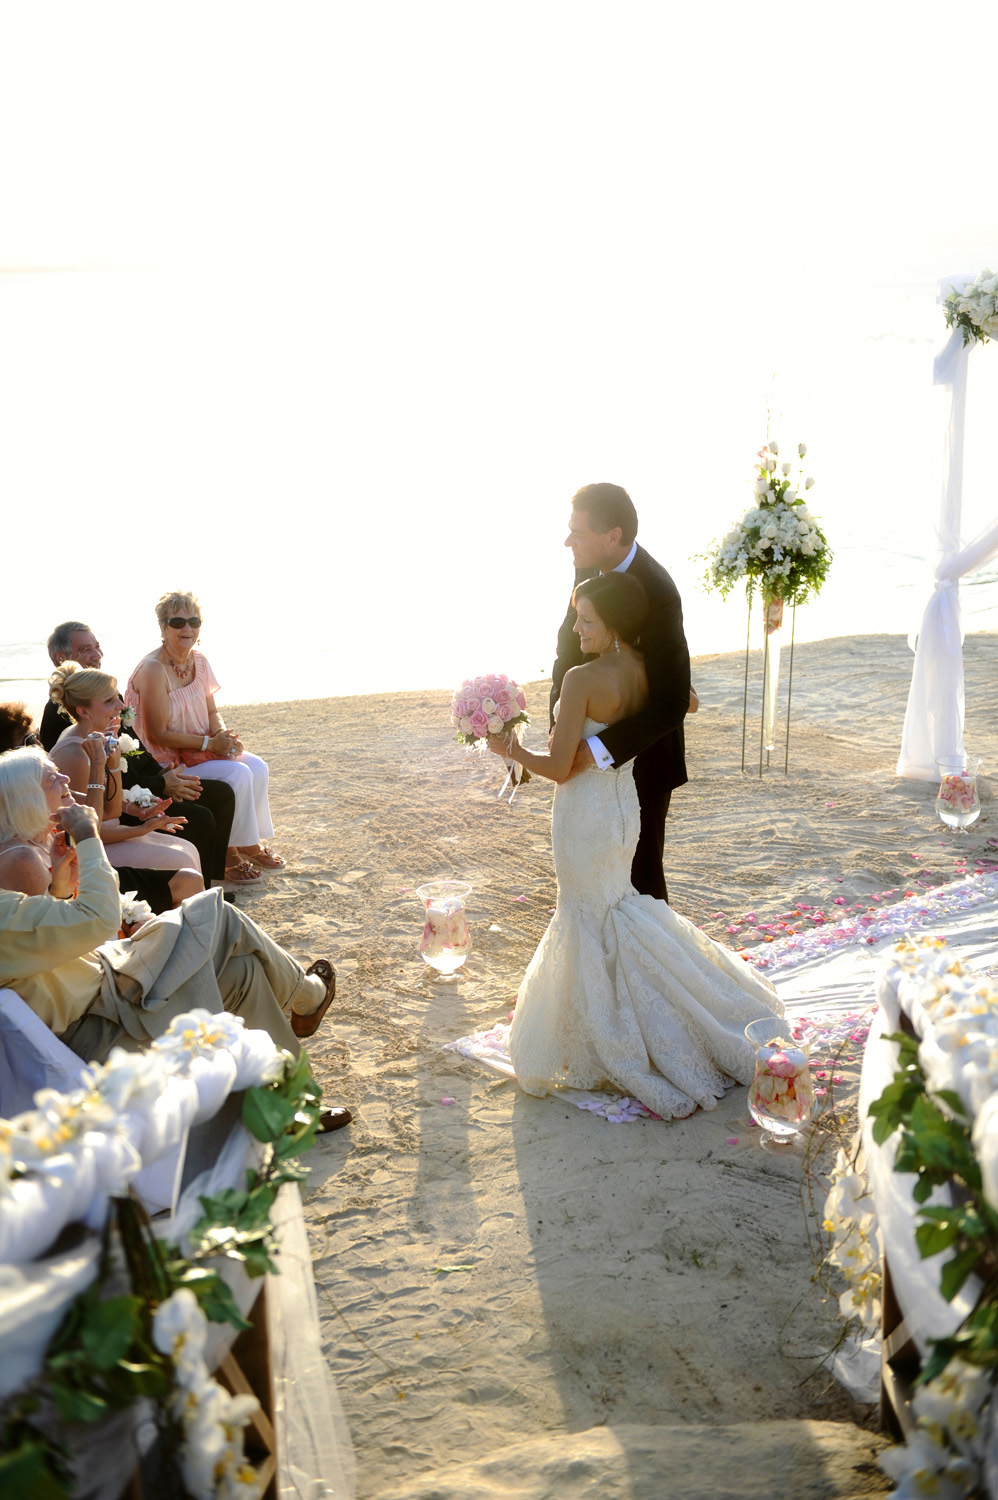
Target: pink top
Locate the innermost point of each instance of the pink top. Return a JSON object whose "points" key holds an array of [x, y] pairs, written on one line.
{"points": [[188, 709]]}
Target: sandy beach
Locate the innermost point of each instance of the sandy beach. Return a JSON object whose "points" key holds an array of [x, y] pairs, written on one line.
{"points": [[626, 1305]]}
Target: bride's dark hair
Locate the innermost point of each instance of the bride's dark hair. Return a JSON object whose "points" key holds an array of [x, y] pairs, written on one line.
{"points": [[619, 600]]}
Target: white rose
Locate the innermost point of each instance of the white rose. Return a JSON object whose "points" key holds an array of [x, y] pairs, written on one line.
{"points": [[808, 483], [496, 725], [774, 447], [790, 496], [761, 486], [466, 725], [770, 464], [489, 706], [801, 449], [784, 468]]}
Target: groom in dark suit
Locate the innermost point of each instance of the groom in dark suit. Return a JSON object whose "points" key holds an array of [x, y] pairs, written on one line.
{"points": [[602, 532]]}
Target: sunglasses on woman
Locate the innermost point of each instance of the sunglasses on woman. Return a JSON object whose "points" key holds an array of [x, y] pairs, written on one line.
{"points": [[179, 621]]}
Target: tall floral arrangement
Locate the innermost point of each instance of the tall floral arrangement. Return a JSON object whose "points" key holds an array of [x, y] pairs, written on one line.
{"points": [[777, 545], [975, 310]]}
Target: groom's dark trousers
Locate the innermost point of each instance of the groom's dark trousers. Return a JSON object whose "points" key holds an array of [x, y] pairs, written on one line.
{"points": [[653, 739]]}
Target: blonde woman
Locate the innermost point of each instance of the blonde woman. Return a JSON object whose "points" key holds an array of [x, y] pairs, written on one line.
{"points": [[172, 691], [35, 858], [88, 754]]}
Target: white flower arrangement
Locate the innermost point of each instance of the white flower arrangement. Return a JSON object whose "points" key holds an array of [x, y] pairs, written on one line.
{"points": [[778, 543], [975, 310], [128, 745]]}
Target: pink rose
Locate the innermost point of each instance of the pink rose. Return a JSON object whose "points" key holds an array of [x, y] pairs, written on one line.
{"points": [[521, 700], [482, 685], [502, 694], [506, 711], [479, 722], [472, 703]]}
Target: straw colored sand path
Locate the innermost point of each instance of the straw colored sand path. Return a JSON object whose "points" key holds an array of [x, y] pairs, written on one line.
{"points": [[500, 1270]]}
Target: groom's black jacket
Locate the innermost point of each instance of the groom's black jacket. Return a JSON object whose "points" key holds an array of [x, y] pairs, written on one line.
{"points": [[653, 738]]}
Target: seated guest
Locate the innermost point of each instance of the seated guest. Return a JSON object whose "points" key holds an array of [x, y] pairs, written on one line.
{"points": [[208, 807], [34, 856], [97, 991], [172, 691], [91, 702], [15, 727]]}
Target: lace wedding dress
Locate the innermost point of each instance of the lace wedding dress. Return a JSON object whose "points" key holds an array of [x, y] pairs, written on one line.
{"points": [[622, 992]]}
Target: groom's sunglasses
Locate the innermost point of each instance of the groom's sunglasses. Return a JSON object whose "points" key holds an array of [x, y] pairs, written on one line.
{"points": [[179, 621]]}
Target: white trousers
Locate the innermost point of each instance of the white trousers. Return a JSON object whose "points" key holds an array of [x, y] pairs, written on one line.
{"points": [[248, 777]]}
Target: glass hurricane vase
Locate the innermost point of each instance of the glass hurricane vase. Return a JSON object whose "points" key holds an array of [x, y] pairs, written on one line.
{"points": [[957, 802], [781, 1094], [446, 941]]}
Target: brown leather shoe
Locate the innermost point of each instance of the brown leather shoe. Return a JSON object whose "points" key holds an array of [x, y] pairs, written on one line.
{"points": [[304, 1026]]}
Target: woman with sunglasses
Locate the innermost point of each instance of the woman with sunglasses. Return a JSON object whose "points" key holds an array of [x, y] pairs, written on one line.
{"points": [[172, 691]]}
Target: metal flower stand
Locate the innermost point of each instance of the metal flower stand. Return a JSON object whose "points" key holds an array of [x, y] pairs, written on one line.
{"points": [[772, 622]]}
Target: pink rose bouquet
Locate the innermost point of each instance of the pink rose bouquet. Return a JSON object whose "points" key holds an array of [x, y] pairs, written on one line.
{"points": [[486, 705]]}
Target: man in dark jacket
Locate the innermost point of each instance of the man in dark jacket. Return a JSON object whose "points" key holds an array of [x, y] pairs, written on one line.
{"points": [[602, 536]]}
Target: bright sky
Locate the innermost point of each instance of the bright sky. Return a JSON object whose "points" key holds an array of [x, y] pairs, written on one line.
{"points": [[365, 292]]}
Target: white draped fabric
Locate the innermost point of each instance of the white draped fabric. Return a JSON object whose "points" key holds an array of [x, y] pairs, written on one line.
{"points": [[933, 721]]}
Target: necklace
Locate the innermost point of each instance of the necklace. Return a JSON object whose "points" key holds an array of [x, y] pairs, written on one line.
{"points": [[181, 672]]}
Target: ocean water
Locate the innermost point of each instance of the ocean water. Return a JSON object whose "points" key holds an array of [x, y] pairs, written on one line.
{"points": [[394, 283], [358, 536]]}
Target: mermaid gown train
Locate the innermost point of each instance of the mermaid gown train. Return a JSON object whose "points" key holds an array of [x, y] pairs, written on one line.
{"points": [[622, 992]]}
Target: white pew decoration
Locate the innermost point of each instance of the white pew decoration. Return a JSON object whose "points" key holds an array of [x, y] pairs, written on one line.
{"points": [[71, 1159], [930, 1193]]}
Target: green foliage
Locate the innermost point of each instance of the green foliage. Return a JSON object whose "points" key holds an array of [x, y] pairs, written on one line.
{"points": [[935, 1144], [102, 1357]]}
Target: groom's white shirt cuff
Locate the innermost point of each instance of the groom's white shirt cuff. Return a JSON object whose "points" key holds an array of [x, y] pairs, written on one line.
{"points": [[601, 755]]}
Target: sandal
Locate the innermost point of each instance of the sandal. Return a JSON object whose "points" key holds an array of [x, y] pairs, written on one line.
{"points": [[242, 873], [264, 859], [308, 1025], [333, 1119]]}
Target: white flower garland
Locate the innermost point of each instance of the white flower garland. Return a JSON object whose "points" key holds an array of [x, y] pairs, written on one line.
{"points": [[212, 1420]]}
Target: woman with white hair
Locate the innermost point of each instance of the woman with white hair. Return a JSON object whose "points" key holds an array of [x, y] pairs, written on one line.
{"points": [[34, 857], [151, 860], [172, 691]]}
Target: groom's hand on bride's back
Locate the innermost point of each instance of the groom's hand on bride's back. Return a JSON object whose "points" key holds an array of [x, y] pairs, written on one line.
{"points": [[583, 760]]}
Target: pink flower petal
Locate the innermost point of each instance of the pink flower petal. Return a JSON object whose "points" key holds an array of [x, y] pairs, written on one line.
{"points": [[731, 1140], [447, 1099]]}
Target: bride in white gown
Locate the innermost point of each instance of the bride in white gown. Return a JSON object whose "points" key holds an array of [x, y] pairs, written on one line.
{"points": [[622, 992]]}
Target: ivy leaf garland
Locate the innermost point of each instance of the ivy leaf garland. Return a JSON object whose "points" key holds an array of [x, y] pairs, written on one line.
{"points": [[936, 1145]]}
